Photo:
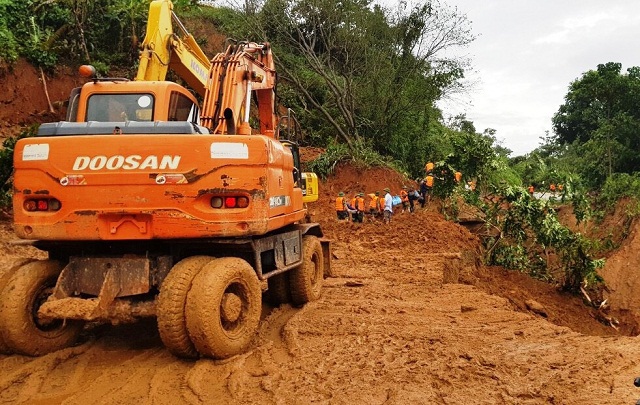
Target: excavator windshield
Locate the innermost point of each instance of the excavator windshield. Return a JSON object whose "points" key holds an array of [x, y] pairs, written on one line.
{"points": [[120, 107], [109, 107]]}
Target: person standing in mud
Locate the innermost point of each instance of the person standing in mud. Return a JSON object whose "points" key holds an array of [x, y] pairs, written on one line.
{"points": [[457, 176], [428, 181], [426, 187], [428, 168], [388, 206], [351, 207], [341, 207], [404, 197], [359, 206], [373, 204], [380, 206], [423, 193]]}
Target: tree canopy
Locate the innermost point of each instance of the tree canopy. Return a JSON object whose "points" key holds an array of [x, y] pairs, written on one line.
{"points": [[600, 121], [361, 74], [353, 71]]}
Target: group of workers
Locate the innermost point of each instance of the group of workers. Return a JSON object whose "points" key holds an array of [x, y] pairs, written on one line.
{"points": [[382, 205], [426, 184], [552, 188], [378, 206]]}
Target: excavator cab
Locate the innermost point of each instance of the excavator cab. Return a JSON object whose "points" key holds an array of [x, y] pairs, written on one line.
{"points": [[289, 129], [120, 100], [131, 101], [297, 171]]}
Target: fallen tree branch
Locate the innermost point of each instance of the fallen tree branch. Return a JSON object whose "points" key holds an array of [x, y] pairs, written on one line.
{"points": [[586, 296], [46, 92]]}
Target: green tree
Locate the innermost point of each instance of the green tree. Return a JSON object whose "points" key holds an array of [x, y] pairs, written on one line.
{"points": [[600, 119], [472, 153], [363, 74]]}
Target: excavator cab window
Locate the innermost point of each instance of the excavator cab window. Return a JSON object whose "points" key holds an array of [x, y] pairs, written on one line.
{"points": [[181, 108], [120, 107], [297, 171]]}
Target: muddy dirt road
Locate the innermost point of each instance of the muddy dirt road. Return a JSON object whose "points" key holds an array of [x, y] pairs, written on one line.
{"points": [[392, 326]]}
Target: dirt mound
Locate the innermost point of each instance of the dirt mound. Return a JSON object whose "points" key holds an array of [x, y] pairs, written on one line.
{"points": [[611, 230], [23, 100], [619, 241], [351, 179], [427, 233]]}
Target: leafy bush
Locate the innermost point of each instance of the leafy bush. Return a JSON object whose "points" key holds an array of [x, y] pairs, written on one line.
{"points": [[510, 256], [6, 164], [617, 186], [224, 19], [531, 234], [361, 156], [501, 173], [9, 49]]}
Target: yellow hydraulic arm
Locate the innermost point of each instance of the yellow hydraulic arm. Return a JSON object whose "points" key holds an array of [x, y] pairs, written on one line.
{"points": [[163, 49]]}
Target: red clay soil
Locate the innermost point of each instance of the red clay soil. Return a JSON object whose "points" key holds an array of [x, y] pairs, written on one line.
{"points": [[621, 267], [409, 316]]}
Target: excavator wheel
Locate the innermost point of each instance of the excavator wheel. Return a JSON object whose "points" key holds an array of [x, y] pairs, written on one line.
{"points": [[5, 275], [22, 331], [223, 308], [171, 305], [278, 291], [306, 279]]}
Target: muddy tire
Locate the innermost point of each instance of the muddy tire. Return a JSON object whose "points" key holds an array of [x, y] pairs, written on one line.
{"points": [[26, 290], [5, 275], [171, 304], [306, 279], [223, 308], [279, 289]]}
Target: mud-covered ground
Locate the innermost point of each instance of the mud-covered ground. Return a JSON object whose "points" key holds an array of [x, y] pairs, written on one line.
{"points": [[392, 326], [409, 317]]}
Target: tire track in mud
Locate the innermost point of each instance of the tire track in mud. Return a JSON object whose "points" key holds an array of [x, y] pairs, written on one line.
{"points": [[128, 363], [129, 381], [251, 377], [116, 363], [52, 377]]}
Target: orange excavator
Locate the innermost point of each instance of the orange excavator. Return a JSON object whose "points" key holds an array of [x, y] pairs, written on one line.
{"points": [[149, 205]]}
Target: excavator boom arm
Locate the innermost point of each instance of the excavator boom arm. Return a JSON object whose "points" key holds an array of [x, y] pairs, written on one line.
{"points": [[162, 49], [246, 69]]}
